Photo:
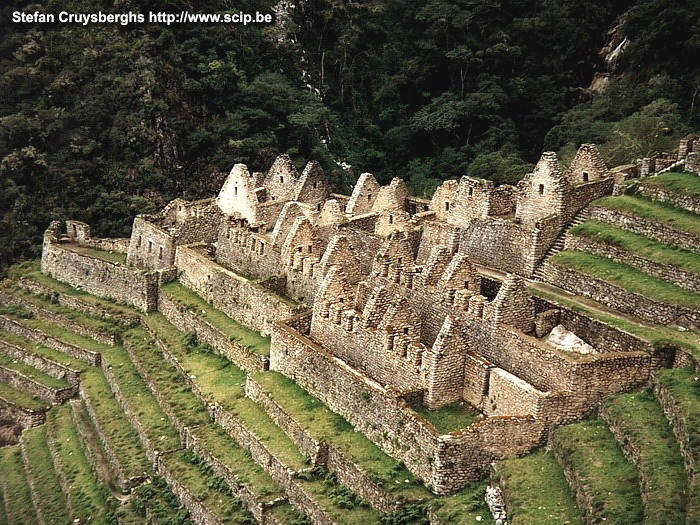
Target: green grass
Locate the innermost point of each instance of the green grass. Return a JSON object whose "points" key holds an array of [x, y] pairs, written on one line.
{"points": [[639, 245], [684, 386], [86, 496], [247, 471], [44, 477], [156, 498], [189, 410], [537, 491], [608, 479], [660, 212], [466, 506], [325, 425], [31, 271], [139, 396], [18, 498], [33, 373], [644, 425], [451, 418], [115, 257], [43, 351], [50, 303], [206, 489], [234, 330], [222, 382], [628, 278], [21, 399], [658, 335], [114, 424], [340, 503], [677, 182]]}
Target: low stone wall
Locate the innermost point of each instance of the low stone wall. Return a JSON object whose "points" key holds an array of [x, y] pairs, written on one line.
{"points": [[39, 362], [648, 228], [73, 302], [631, 451], [14, 327], [323, 454], [615, 297], [162, 400], [19, 381], [60, 320], [667, 272], [446, 462], [659, 193], [151, 448], [125, 483], [102, 278], [259, 509], [199, 514], [236, 296], [678, 424], [280, 473], [583, 498], [24, 417], [189, 321]]}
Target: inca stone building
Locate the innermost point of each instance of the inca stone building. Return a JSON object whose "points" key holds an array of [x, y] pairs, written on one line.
{"points": [[384, 305]]}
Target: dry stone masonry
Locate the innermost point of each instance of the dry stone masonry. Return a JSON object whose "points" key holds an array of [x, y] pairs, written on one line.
{"points": [[390, 308]]}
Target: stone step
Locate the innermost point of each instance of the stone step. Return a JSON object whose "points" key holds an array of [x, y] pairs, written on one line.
{"points": [[33, 381], [535, 490], [49, 500], [642, 431], [676, 390], [14, 485], [85, 494], [588, 453]]}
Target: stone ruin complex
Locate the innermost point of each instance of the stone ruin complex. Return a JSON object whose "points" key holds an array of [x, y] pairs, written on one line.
{"points": [[382, 304]]}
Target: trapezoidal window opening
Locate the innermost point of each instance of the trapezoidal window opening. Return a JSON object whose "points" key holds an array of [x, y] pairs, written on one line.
{"points": [[541, 189], [585, 176]]}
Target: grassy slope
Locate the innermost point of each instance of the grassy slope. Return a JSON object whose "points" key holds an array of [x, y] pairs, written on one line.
{"points": [[661, 212], [684, 386], [679, 182], [608, 479], [537, 491], [44, 477], [451, 418], [86, 497], [639, 245], [17, 496], [628, 278], [20, 398], [644, 425], [232, 329]]}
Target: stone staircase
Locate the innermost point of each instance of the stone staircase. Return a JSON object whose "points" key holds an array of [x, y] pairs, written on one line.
{"points": [[558, 245]]}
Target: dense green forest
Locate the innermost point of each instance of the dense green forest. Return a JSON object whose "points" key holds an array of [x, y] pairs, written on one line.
{"points": [[100, 123]]}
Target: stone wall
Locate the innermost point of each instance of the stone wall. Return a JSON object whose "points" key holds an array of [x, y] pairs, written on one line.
{"points": [[647, 227], [445, 463], [436, 234], [60, 320], [667, 272], [103, 278], [74, 302], [24, 417], [125, 482], [259, 509], [323, 454], [237, 297], [189, 321], [151, 247], [79, 232], [615, 297], [659, 193], [19, 381], [500, 244], [39, 362], [10, 325], [199, 513]]}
